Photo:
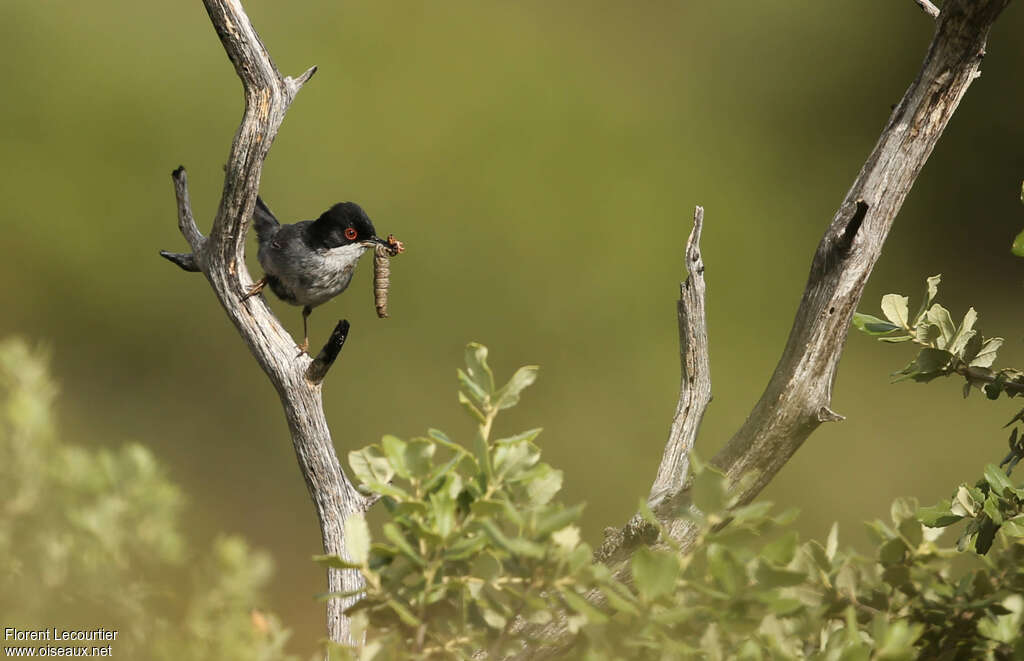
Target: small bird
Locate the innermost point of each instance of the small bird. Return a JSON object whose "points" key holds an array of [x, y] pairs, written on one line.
{"points": [[310, 262]]}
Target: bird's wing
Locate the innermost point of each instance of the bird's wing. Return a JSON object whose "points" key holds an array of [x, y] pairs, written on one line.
{"points": [[263, 220]]}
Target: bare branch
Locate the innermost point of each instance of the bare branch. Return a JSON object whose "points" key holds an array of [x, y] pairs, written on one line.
{"points": [[186, 221], [187, 225], [928, 8], [295, 84], [695, 381], [798, 396], [221, 258]]}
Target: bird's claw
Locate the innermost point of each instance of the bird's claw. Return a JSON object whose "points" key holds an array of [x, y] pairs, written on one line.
{"points": [[256, 288]]}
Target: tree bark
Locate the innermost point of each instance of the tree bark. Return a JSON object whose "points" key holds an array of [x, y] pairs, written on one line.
{"points": [[798, 397], [695, 371], [221, 258]]}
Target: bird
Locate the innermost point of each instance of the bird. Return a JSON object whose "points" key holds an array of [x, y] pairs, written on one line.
{"points": [[310, 262]]}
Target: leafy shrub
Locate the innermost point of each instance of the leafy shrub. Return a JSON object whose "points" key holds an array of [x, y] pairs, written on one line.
{"points": [[92, 538], [477, 555]]}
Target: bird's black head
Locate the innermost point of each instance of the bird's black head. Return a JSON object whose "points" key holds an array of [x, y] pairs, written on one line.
{"points": [[342, 224]]}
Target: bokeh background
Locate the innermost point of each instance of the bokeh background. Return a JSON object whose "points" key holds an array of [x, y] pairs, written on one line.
{"points": [[541, 161]]}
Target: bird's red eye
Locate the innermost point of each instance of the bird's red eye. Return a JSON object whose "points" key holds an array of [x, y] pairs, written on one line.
{"points": [[351, 233]]}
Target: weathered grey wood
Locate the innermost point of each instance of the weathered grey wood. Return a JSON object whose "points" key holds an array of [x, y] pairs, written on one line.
{"points": [[220, 257], [798, 397], [928, 8], [695, 373]]}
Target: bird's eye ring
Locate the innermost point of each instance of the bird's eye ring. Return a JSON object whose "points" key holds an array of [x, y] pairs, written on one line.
{"points": [[351, 233]]}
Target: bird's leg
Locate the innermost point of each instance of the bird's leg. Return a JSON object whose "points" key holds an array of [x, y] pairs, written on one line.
{"points": [[306, 310], [256, 288]]}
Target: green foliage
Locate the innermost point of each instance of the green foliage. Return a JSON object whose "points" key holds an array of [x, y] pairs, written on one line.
{"points": [[93, 538], [994, 503], [946, 348], [1018, 242], [477, 552]]}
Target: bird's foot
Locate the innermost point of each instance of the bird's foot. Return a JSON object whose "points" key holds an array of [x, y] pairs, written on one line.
{"points": [[303, 348], [256, 288]]}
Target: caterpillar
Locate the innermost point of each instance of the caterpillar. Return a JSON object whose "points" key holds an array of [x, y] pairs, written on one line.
{"points": [[382, 272]]}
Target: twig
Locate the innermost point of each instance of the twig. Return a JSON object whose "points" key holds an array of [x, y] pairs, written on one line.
{"points": [[928, 8], [798, 396], [695, 369], [220, 257]]}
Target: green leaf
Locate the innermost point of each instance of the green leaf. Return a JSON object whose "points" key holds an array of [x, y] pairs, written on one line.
{"points": [[781, 551], [371, 465], [443, 509], [473, 389], [620, 599], [938, 516], [528, 436], [729, 574], [894, 307], [709, 490], [654, 572], [442, 438], [991, 509], [403, 613], [896, 339], [471, 408], [477, 368], [928, 364], [892, 552], [465, 547], [566, 539], [1014, 527], [544, 482], [963, 503], [998, 480], [485, 567], [931, 289], [335, 561], [394, 450], [513, 545], [1018, 245], [418, 456], [508, 396], [872, 325], [357, 539], [971, 349], [582, 606], [939, 316], [987, 353], [832, 543], [964, 333], [556, 517], [395, 536], [512, 459], [770, 577]]}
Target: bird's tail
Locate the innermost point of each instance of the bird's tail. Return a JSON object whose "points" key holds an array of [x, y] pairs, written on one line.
{"points": [[263, 220]]}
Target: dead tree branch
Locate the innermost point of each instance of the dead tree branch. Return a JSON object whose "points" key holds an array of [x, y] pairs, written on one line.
{"points": [[221, 258], [798, 397], [695, 373], [928, 8]]}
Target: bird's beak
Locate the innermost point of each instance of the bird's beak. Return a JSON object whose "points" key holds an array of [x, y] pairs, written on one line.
{"points": [[376, 241]]}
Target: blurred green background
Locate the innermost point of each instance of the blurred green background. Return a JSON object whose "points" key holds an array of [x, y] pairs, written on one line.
{"points": [[541, 161]]}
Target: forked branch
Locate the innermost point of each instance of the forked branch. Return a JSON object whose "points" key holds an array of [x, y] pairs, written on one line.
{"points": [[695, 373], [798, 397], [221, 258]]}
